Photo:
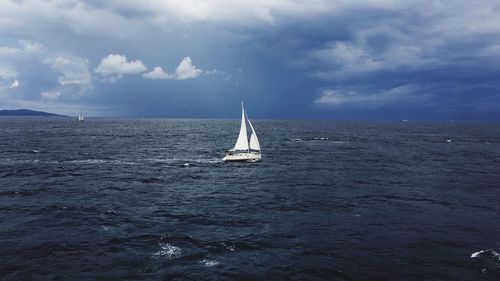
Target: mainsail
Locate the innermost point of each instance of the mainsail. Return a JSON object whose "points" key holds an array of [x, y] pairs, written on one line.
{"points": [[242, 142], [254, 141]]}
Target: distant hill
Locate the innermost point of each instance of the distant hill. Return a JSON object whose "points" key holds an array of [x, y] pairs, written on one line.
{"points": [[26, 112]]}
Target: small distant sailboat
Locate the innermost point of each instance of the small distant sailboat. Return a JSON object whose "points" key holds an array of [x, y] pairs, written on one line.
{"points": [[244, 150], [80, 117]]}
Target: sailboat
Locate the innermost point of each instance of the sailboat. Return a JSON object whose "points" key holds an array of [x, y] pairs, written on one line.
{"points": [[244, 150], [80, 117]]}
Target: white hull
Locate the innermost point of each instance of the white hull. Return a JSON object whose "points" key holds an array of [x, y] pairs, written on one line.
{"points": [[242, 156]]}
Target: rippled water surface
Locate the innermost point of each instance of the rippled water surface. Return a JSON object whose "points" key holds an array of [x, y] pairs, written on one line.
{"points": [[151, 200]]}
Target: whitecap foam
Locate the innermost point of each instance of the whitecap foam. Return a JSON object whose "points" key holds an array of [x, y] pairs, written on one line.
{"points": [[160, 160], [227, 246], [206, 160], [168, 251], [209, 263], [476, 254], [495, 254], [488, 260], [88, 161], [490, 251], [185, 161], [25, 161], [123, 162], [106, 228], [101, 161]]}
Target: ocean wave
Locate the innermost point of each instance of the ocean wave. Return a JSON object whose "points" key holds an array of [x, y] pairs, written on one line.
{"points": [[167, 251], [186, 162], [317, 139], [489, 252], [488, 261], [107, 228], [476, 254], [230, 247], [19, 161], [87, 161], [213, 246], [102, 161], [209, 263], [150, 180]]}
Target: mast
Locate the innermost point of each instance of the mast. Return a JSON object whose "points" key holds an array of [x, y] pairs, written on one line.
{"points": [[242, 142]]}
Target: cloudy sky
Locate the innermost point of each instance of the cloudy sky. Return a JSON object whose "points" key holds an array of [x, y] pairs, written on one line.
{"points": [[345, 59]]}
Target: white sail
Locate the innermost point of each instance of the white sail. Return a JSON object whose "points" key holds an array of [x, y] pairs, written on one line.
{"points": [[254, 141], [242, 142]]}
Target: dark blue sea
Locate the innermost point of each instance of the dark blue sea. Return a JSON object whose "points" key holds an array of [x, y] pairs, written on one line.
{"points": [[150, 199]]}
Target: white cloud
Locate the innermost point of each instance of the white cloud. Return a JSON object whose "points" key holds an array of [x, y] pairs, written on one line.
{"points": [[186, 70], [8, 73], [28, 48], [75, 70], [50, 95], [7, 79], [454, 18], [8, 51], [353, 58], [31, 47], [344, 52], [213, 71], [109, 17], [29, 17], [492, 50], [11, 56], [405, 93], [14, 84], [117, 65], [347, 58], [158, 73], [437, 34], [243, 12], [113, 66]]}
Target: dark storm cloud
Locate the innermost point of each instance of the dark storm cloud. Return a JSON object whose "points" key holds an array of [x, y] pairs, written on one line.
{"points": [[335, 59]]}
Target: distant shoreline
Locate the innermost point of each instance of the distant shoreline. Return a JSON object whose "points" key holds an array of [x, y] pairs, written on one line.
{"points": [[28, 113]]}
